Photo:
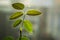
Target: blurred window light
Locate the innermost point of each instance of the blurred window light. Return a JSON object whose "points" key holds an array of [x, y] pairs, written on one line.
{"points": [[37, 2], [27, 3], [42, 2], [4, 2]]}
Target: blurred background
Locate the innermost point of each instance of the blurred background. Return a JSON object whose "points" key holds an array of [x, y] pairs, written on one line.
{"points": [[46, 26]]}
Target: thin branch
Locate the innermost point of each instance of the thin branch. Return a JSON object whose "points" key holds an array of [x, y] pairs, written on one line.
{"points": [[22, 26]]}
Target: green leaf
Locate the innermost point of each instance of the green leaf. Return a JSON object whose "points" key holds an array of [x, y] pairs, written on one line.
{"points": [[16, 15], [28, 26], [8, 38], [33, 12], [18, 6], [17, 22], [24, 38], [20, 28]]}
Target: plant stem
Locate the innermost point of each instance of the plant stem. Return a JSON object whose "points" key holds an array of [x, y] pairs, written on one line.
{"points": [[20, 35], [22, 26]]}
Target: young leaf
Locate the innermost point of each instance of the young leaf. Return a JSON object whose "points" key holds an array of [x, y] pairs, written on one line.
{"points": [[24, 38], [8, 38], [20, 28], [33, 12], [17, 22], [16, 15], [18, 6], [28, 26]]}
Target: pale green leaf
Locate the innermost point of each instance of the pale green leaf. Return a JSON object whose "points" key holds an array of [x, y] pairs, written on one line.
{"points": [[33, 12], [28, 26], [17, 22], [16, 15], [18, 6], [20, 28]]}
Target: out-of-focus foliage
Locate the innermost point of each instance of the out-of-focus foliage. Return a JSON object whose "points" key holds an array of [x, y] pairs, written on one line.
{"points": [[24, 38], [8, 38]]}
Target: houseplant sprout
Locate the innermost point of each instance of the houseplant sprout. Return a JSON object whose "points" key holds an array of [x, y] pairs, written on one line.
{"points": [[22, 22]]}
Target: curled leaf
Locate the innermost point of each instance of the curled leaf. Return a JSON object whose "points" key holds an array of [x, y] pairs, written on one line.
{"points": [[18, 6], [28, 26], [33, 12], [17, 22], [16, 15]]}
